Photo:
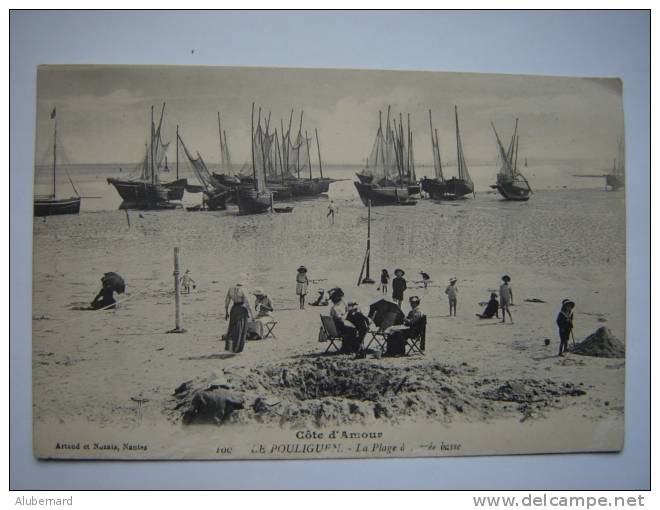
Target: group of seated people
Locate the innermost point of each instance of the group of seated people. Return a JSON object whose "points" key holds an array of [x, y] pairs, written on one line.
{"points": [[352, 325]]}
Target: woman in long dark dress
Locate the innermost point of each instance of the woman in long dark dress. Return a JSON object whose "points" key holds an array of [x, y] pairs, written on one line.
{"points": [[565, 323], [238, 317]]}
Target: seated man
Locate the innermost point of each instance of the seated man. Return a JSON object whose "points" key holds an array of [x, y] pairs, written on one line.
{"points": [[396, 340], [263, 307], [492, 308], [359, 320]]}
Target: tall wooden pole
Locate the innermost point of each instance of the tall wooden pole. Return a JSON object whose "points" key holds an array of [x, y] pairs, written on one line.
{"points": [[177, 295], [151, 146], [254, 171], [177, 152], [309, 159], [367, 278]]}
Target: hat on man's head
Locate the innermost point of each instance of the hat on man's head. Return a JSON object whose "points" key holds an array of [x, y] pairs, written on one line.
{"points": [[399, 271], [506, 278], [566, 302], [414, 300], [452, 279], [259, 292], [302, 269]]}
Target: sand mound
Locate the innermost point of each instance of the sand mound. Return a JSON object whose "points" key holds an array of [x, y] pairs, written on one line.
{"points": [[601, 344], [338, 390]]}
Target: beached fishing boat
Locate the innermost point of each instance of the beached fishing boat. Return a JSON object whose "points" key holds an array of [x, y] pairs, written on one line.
{"points": [[50, 205], [511, 184], [441, 188], [258, 198], [145, 190], [215, 194], [388, 177]]}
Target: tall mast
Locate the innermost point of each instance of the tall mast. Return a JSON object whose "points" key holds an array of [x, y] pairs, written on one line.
{"points": [[263, 155], [222, 153], [177, 152], [151, 146], [279, 154], [254, 169], [309, 159], [318, 148], [282, 159], [458, 146], [515, 161], [408, 151], [437, 150], [54, 155]]}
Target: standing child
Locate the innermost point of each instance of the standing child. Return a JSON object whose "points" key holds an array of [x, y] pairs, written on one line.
{"points": [[187, 282], [452, 294], [398, 286], [302, 282], [332, 209], [565, 323], [506, 298], [384, 280]]}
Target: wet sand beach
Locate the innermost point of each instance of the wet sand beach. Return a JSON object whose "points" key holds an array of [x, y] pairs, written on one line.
{"points": [[90, 368]]}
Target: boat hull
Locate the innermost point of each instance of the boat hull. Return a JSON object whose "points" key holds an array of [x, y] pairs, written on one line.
{"points": [[216, 201], [175, 189], [56, 207], [251, 202], [451, 189], [141, 195], [514, 190], [383, 195]]}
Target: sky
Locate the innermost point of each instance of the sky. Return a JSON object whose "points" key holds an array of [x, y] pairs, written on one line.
{"points": [[103, 111]]}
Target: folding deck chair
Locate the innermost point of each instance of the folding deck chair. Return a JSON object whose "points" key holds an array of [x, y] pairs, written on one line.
{"points": [[328, 324], [378, 335], [270, 326], [417, 341]]}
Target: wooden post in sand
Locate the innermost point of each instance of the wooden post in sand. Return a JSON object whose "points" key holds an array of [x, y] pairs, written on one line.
{"points": [[177, 295], [367, 256]]}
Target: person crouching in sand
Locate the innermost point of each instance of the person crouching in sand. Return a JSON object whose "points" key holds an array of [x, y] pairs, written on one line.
{"points": [[452, 294], [398, 286], [187, 282], [565, 323], [506, 298], [492, 308], [302, 283]]}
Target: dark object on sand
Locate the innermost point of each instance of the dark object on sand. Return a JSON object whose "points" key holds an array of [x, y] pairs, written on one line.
{"points": [[283, 209], [382, 309], [546, 341], [534, 300], [114, 281], [601, 344], [211, 407]]}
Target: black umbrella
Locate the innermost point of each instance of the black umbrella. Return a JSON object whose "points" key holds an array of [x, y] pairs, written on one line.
{"points": [[385, 311], [114, 281]]}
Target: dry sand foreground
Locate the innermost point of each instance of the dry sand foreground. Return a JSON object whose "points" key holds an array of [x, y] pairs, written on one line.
{"points": [[488, 387]]}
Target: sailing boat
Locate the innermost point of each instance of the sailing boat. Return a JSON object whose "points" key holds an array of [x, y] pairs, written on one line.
{"points": [[511, 184], [257, 199], [456, 187], [616, 179], [388, 177], [50, 205], [215, 194], [146, 191]]}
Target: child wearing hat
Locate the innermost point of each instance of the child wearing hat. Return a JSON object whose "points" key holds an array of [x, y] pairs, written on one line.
{"points": [[565, 323], [302, 283], [398, 286], [452, 294], [384, 280]]}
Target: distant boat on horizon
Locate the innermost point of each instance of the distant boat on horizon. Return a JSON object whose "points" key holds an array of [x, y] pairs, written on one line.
{"points": [[50, 205]]}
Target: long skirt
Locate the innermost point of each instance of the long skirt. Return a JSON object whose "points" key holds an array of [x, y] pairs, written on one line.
{"points": [[237, 330]]}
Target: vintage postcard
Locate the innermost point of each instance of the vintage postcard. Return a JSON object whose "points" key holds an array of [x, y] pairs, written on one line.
{"points": [[254, 263]]}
